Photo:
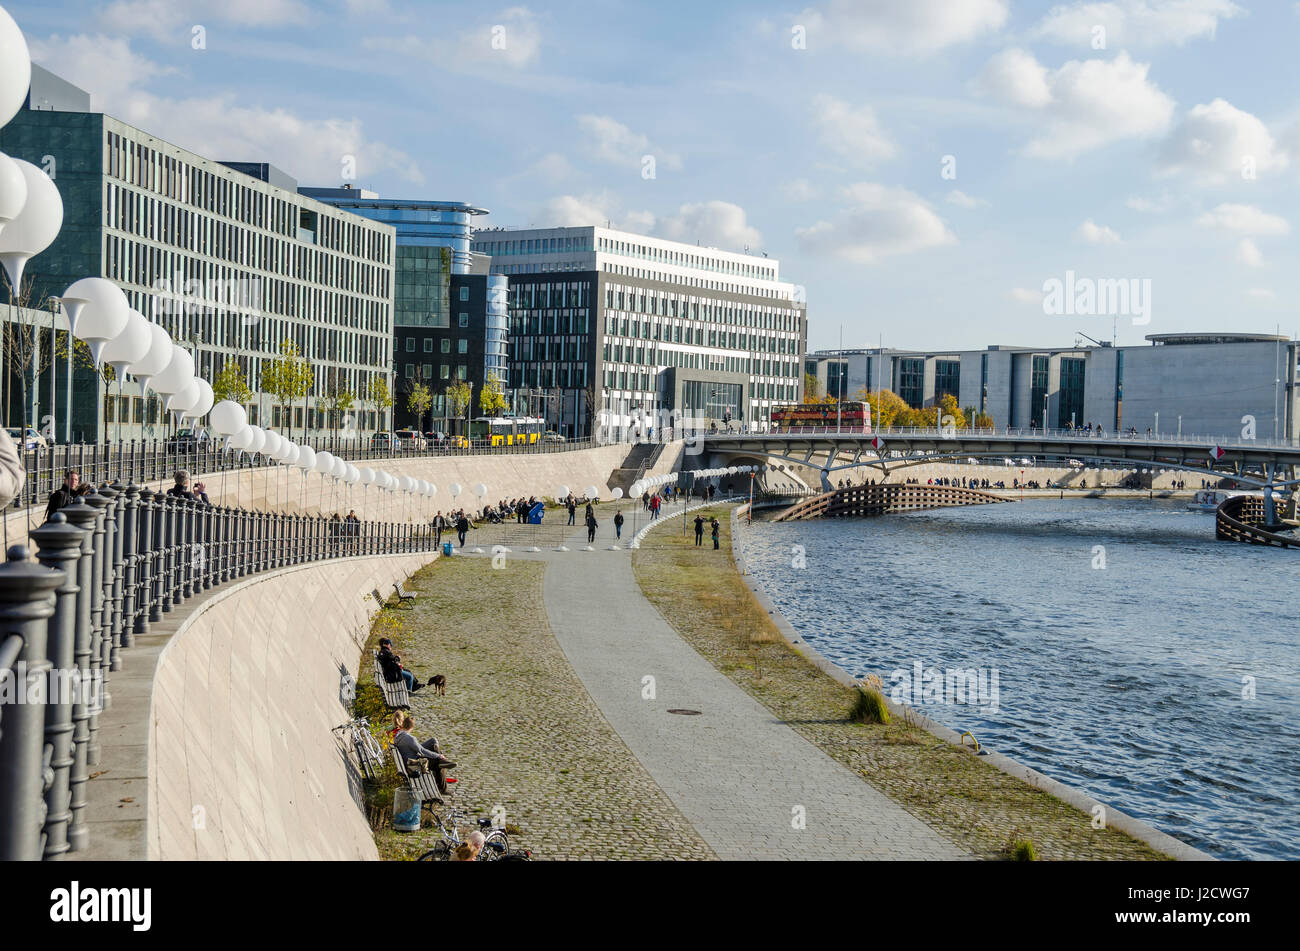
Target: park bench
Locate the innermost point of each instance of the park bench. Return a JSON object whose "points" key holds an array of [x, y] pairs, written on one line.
{"points": [[402, 593], [395, 695], [422, 786]]}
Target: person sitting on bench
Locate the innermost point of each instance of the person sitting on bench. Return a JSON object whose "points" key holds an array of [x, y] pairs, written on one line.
{"points": [[391, 665], [411, 748]]}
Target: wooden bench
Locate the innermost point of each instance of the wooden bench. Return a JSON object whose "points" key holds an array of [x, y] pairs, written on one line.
{"points": [[422, 786], [395, 695], [402, 593]]}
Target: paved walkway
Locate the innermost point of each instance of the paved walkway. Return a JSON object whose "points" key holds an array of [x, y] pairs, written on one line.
{"points": [[752, 787]]}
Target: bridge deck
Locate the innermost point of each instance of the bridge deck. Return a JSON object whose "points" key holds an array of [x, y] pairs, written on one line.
{"points": [[882, 498]]}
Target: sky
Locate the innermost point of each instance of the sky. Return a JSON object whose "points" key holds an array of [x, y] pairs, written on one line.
{"points": [[923, 169]]}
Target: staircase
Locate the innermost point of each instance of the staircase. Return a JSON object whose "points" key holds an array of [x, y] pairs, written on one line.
{"points": [[641, 457]]}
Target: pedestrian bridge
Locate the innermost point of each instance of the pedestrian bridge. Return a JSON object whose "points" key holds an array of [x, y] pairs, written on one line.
{"points": [[880, 499]]}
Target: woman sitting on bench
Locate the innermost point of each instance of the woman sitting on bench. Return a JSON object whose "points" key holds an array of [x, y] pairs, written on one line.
{"points": [[411, 748]]}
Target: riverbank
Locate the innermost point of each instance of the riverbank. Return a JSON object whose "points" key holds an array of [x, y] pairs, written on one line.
{"points": [[531, 747], [702, 595]]}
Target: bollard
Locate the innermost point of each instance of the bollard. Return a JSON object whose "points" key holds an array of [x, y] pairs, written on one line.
{"points": [[130, 562], [58, 546], [112, 578], [82, 516], [26, 605]]}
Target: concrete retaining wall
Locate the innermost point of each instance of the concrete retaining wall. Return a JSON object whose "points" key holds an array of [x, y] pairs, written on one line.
{"points": [[242, 763]]}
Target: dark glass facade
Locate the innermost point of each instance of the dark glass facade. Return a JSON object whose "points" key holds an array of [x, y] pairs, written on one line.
{"points": [[1070, 411], [911, 380], [1038, 391], [947, 378]]}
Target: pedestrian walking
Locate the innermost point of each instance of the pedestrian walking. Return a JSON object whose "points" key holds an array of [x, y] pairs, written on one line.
{"points": [[439, 524], [645, 501], [573, 510], [654, 507], [591, 528], [716, 528], [699, 530], [618, 524], [462, 526]]}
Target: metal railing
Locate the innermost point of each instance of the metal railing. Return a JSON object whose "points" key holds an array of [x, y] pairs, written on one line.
{"points": [[156, 460], [107, 567], [1079, 436]]}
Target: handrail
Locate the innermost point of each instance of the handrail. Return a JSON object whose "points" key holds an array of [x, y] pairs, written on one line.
{"points": [[108, 566], [1075, 436]]}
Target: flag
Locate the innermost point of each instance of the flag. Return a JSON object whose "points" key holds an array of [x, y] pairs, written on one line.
{"points": [[877, 443], [1217, 452]]}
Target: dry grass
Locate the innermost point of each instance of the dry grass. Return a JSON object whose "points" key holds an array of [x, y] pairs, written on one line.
{"points": [[700, 593]]}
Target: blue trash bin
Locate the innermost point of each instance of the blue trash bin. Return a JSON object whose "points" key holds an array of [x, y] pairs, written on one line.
{"points": [[446, 548]]}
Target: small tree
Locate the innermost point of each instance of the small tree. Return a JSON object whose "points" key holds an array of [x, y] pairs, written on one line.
{"points": [[810, 388], [458, 397], [492, 398], [230, 384], [418, 401], [380, 396], [338, 400], [289, 378]]}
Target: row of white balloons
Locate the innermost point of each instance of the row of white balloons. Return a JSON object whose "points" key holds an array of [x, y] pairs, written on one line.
{"points": [[651, 482]]}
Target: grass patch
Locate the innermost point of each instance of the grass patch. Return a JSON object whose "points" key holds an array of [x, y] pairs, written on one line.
{"points": [[869, 707]]}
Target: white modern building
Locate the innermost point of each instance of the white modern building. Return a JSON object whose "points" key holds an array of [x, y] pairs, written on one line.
{"points": [[609, 324]]}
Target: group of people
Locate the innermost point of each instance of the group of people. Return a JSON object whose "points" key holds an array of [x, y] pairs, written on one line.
{"points": [[458, 520], [73, 488], [503, 511], [715, 527]]}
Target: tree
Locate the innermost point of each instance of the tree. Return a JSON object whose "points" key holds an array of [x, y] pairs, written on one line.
{"points": [[418, 401], [379, 396], [231, 385], [948, 407], [886, 407], [492, 398], [337, 400], [458, 397], [810, 387], [289, 378]]}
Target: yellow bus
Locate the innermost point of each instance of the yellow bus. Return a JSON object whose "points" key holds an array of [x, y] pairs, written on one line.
{"points": [[508, 430]]}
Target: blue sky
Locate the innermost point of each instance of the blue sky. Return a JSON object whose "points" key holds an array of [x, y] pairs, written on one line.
{"points": [[1142, 139]]}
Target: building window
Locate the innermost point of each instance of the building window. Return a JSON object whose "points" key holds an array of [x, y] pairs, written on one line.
{"points": [[410, 345], [464, 293], [462, 346], [464, 320], [428, 345], [445, 372], [462, 372], [446, 345]]}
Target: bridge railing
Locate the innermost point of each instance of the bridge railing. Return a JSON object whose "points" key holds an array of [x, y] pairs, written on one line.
{"points": [[155, 460], [1079, 436], [107, 567]]}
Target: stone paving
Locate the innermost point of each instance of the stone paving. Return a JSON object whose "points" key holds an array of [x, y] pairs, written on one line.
{"points": [[524, 732]]}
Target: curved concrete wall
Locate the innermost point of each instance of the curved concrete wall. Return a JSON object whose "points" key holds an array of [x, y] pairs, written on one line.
{"points": [[242, 763]]}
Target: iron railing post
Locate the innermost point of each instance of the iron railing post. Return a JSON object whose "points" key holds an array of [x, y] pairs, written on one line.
{"points": [[82, 516]]}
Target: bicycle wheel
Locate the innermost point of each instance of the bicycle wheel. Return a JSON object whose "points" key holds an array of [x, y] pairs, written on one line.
{"points": [[495, 846], [441, 852]]}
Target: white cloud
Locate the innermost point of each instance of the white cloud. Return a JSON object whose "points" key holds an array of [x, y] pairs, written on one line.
{"points": [[1244, 219], [1025, 295], [877, 221], [312, 149], [962, 200], [1248, 253], [1150, 206], [172, 20], [800, 190], [718, 224], [1136, 23], [1084, 105], [854, 132], [565, 211], [611, 141], [1093, 233], [910, 27], [479, 50], [1218, 141], [1261, 293]]}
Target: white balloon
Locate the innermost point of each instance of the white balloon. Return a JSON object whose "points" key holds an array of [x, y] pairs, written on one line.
{"points": [[591, 492], [13, 190], [176, 376], [183, 399], [433, 490], [204, 404], [367, 475], [617, 493], [160, 355], [240, 440], [129, 346], [36, 226], [350, 472], [562, 492], [324, 462], [271, 445], [406, 483], [15, 68], [289, 456], [228, 417], [480, 490], [454, 489], [258, 442], [104, 318]]}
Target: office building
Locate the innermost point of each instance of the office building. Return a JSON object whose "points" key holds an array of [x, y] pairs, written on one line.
{"points": [[608, 326], [1195, 383]]}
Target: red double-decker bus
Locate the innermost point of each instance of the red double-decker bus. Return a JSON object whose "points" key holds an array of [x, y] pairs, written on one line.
{"points": [[848, 417]]}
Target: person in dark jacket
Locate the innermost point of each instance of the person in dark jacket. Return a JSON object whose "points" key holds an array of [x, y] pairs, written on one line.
{"points": [[391, 666], [591, 528], [573, 509], [64, 494], [618, 524], [411, 748], [699, 530], [716, 528], [439, 524], [181, 489], [462, 526]]}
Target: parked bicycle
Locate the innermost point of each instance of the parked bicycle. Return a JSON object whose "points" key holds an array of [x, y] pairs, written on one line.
{"points": [[495, 844]]}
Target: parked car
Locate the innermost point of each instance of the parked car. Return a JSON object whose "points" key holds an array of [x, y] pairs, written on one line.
{"points": [[188, 440], [408, 439], [552, 436], [33, 439], [381, 441]]}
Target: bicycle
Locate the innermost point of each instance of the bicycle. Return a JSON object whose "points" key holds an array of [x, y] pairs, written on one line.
{"points": [[495, 844], [369, 755]]}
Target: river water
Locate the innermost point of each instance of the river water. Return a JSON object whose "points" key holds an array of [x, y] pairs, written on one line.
{"points": [[1165, 684]]}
